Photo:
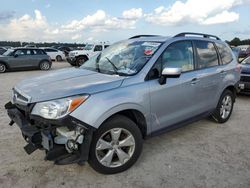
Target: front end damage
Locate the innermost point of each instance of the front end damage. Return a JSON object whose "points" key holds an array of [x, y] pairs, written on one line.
{"points": [[65, 141]]}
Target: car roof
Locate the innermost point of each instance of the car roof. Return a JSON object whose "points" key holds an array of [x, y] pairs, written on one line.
{"points": [[24, 48], [180, 36]]}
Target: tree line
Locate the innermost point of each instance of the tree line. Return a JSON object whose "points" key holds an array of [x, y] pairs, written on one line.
{"points": [[236, 42], [38, 44]]}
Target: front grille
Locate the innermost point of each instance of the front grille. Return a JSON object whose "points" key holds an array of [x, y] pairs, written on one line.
{"points": [[245, 78]]}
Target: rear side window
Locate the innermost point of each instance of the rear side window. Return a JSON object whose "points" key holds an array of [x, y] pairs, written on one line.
{"points": [[225, 53], [206, 54]]}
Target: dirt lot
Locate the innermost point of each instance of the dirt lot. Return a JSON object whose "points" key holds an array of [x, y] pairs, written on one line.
{"points": [[203, 154]]}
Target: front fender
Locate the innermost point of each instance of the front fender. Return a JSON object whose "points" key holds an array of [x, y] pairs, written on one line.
{"points": [[99, 107]]}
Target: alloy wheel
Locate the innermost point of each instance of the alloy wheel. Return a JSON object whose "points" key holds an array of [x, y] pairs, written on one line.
{"points": [[226, 106], [2, 68], [115, 147]]}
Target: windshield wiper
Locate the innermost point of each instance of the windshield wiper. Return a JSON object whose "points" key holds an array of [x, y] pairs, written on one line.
{"points": [[113, 65]]}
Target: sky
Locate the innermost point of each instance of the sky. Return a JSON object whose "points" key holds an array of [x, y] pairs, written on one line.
{"points": [[108, 20]]}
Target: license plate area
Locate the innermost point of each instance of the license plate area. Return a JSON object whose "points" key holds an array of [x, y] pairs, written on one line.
{"points": [[242, 86]]}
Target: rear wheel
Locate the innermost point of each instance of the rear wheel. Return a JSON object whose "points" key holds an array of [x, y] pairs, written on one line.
{"points": [[45, 65], [81, 60], [58, 58], [116, 145], [225, 107], [2, 68]]}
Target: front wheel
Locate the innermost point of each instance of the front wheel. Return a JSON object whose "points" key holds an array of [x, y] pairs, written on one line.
{"points": [[2, 68], [45, 65], [58, 58], [116, 145], [225, 107], [80, 61]]}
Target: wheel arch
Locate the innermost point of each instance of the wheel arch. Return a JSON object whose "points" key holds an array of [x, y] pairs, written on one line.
{"points": [[233, 89], [136, 116], [6, 64]]}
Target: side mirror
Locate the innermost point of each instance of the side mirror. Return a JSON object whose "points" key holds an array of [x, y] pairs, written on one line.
{"points": [[169, 73], [15, 55]]}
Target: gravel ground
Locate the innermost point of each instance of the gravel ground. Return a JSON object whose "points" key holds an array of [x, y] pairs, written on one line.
{"points": [[202, 154]]}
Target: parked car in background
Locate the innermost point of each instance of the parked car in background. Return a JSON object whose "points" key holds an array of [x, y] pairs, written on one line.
{"points": [[24, 58], [55, 54], [244, 84], [65, 49], [2, 50], [244, 51], [135, 88], [236, 51], [78, 57]]}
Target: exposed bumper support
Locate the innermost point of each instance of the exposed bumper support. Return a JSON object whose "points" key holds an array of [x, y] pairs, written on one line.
{"points": [[40, 134]]}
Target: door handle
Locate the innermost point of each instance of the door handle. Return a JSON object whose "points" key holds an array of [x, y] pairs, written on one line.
{"points": [[194, 81]]}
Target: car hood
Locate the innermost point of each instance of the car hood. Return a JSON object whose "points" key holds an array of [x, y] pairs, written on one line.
{"points": [[67, 82], [245, 69]]}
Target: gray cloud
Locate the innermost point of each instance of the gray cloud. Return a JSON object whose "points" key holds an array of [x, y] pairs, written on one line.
{"points": [[6, 15]]}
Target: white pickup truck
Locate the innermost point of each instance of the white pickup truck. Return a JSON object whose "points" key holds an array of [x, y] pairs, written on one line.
{"points": [[78, 57]]}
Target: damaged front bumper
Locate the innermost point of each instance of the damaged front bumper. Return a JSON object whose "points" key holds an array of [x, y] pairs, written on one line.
{"points": [[65, 141]]}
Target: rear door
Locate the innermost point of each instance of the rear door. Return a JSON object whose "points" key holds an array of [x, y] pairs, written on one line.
{"points": [[208, 74]]}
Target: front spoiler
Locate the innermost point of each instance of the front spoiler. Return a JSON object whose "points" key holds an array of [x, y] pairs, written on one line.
{"points": [[35, 136]]}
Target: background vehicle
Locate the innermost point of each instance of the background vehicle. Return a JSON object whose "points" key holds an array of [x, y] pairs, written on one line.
{"points": [[65, 49], [78, 57], [2, 50], [55, 54], [236, 51], [244, 51], [244, 83], [135, 88], [24, 58]]}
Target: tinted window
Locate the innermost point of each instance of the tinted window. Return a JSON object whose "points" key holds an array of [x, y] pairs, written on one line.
{"points": [[225, 53], [206, 54], [105, 46], [20, 52], [179, 54], [38, 52], [98, 48]]}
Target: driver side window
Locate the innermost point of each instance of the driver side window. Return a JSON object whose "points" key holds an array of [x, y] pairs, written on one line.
{"points": [[176, 55]]}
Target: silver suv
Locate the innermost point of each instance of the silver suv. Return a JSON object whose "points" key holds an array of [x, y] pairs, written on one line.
{"points": [[136, 88]]}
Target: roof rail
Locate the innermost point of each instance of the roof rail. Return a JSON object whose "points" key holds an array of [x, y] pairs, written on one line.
{"points": [[139, 36], [199, 34]]}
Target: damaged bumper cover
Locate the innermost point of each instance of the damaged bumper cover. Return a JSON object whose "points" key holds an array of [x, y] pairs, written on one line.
{"points": [[41, 133]]}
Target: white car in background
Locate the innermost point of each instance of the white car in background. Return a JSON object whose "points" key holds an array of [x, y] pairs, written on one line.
{"points": [[79, 57], [55, 54]]}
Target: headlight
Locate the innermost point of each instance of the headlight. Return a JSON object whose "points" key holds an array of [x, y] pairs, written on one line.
{"points": [[59, 108]]}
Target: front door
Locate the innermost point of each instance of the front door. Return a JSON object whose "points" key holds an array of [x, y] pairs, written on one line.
{"points": [[174, 101]]}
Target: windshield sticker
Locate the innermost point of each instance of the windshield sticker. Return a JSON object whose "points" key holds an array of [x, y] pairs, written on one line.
{"points": [[149, 50]]}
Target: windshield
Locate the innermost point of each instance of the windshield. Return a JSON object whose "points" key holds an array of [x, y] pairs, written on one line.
{"points": [[246, 61], [123, 58], [88, 47], [8, 52]]}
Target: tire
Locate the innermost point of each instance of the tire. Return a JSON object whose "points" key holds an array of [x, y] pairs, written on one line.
{"points": [[3, 68], [45, 65], [225, 107], [59, 58], [81, 60], [128, 146]]}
